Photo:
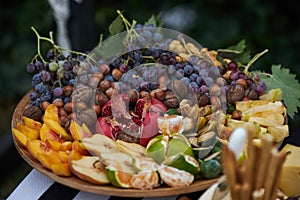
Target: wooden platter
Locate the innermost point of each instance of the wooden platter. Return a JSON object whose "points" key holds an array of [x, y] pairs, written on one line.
{"points": [[77, 183]]}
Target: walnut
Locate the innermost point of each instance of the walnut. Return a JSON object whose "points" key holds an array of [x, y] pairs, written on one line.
{"points": [[83, 93], [33, 112], [235, 93], [171, 100], [88, 116], [180, 89]]}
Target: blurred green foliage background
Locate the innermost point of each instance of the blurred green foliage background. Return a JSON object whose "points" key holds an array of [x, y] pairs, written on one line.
{"points": [[213, 23]]}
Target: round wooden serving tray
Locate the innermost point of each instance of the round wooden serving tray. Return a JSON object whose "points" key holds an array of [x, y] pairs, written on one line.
{"points": [[77, 183]]}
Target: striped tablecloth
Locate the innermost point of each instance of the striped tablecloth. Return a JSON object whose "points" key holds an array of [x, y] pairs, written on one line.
{"points": [[37, 186]]}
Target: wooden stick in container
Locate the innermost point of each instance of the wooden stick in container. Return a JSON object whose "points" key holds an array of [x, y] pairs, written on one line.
{"points": [[282, 157], [250, 162], [230, 168], [271, 174], [263, 161]]}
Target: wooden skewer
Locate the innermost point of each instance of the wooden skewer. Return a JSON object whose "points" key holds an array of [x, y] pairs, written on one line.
{"points": [[236, 192], [229, 163], [282, 157], [250, 162], [274, 165], [245, 192], [263, 161]]}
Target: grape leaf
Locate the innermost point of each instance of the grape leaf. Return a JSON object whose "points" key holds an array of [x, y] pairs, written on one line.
{"points": [[241, 46], [235, 52], [116, 26], [155, 20], [282, 78]]}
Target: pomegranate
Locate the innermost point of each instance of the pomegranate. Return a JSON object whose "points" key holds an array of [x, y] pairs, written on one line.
{"points": [[141, 122]]}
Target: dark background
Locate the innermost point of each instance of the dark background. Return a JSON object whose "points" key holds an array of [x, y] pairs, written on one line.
{"points": [[274, 25]]}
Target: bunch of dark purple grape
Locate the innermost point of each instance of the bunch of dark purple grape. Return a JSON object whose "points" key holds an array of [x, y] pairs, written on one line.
{"points": [[53, 81]]}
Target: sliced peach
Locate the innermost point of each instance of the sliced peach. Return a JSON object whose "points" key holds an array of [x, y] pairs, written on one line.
{"points": [[20, 137], [32, 123], [51, 112], [79, 147], [58, 129], [66, 146], [55, 145], [61, 169], [36, 147], [47, 134], [75, 155], [63, 156], [79, 132], [29, 132], [48, 159]]}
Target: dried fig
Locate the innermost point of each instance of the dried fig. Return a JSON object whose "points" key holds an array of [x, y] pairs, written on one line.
{"points": [[235, 93], [33, 112]]}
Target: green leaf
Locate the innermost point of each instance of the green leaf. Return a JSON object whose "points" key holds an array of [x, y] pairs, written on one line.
{"points": [[155, 20], [282, 78], [236, 53], [116, 26], [241, 46]]}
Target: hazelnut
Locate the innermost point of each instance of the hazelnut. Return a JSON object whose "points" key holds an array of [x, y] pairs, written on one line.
{"points": [[62, 111], [203, 100], [68, 90], [215, 90], [58, 103], [242, 82], [80, 105], [109, 92], [104, 85], [236, 114], [33, 112], [94, 81], [164, 80], [215, 101], [100, 75], [114, 84], [221, 81], [63, 119], [97, 109], [116, 73], [72, 115], [159, 95], [245, 98], [104, 68], [44, 105], [69, 107], [252, 94], [101, 99]]}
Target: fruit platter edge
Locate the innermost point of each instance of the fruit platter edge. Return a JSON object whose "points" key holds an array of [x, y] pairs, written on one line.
{"points": [[79, 184]]}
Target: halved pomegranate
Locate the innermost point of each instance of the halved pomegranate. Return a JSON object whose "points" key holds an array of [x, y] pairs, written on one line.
{"points": [[141, 122]]}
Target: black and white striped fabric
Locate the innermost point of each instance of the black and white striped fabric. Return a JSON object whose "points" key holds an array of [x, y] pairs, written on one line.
{"points": [[37, 186]]}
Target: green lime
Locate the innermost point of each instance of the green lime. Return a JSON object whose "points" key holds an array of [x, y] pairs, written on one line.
{"points": [[119, 178], [183, 162], [210, 169]]}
